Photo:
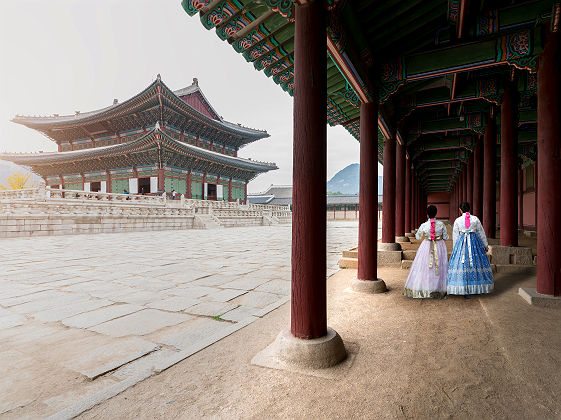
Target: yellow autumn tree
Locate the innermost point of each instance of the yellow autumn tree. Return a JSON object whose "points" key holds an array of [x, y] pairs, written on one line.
{"points": [[17, 181]]}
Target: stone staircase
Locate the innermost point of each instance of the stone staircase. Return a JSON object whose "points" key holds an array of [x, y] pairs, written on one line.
{"points": [[502, 259]]}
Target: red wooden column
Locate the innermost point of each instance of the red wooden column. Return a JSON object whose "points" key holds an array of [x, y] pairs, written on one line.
{"points": [[245, 192], [461, 187], [414, 205], [465, 183], [388, 216], [509, 174], [230, 189], [477, 205], [308, 302], [407, 195], [108, 182], [368, 201], [549, 161], [469, 180], [368, 192], [489, 181], [400, 190], [161, 180], [521, 199], [188, 187], [418, 204]]}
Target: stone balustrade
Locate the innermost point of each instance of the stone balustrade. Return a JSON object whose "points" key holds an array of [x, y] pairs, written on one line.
{"points": [[46, 211]]}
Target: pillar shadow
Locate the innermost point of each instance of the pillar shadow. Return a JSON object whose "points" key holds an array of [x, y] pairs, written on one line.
{"points": [[505, 282]]}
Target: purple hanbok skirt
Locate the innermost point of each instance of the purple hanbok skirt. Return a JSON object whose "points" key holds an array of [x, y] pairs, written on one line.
{"points": [[424, 281]]}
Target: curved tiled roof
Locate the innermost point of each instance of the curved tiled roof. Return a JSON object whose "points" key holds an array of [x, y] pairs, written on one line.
{"points": [[155, 137], [157, 93]]}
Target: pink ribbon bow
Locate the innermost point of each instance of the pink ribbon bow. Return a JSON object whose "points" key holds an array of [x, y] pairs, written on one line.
{"points": [[432, 230], [468, 222]]}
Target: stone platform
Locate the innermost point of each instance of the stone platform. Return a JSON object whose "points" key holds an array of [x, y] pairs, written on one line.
{"points": [[48, 212]]}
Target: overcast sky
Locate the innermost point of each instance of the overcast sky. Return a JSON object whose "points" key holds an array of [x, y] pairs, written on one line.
{"points": [[62, 56]]}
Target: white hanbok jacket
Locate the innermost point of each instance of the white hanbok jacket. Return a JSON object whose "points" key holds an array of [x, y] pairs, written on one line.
{"points": [[439, 229], [475, 227]]}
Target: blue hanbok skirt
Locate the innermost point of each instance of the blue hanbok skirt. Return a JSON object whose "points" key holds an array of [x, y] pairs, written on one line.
{"points": [[469, 276]]}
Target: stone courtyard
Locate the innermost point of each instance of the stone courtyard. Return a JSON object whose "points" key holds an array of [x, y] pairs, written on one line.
{"points": [[83, 317]]}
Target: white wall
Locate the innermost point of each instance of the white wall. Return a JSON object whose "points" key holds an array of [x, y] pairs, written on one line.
{"points": [[133, 185], [104, 186], [205, 191], [219, 192], [153, 184], [87, 186]]}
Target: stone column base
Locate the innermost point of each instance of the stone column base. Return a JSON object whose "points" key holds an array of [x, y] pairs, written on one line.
{"points": [[401, 239], [368, 286], [288, 352], [410, 235], [530, 295], [390, 246]]}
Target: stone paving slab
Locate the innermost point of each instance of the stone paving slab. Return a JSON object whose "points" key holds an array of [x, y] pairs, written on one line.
{"points": [[170, 299], [173, 303], [241, 313], [13, 320], [196, 331], [224, 295], [66, 311], [246, 283], [52, 302], [147, 364], [279, 287], [192, 292], [103, 359], [211, 308], [140, 323], [89, 319], [256, 299], [28, 298]]}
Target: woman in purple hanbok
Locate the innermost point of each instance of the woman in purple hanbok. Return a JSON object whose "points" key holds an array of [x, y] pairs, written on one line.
{"points": [[427, 277]]}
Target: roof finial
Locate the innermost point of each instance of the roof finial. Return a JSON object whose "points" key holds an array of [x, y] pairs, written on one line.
{"points": [[157, 126], [195, 81], [115, 101], [158, 77]]}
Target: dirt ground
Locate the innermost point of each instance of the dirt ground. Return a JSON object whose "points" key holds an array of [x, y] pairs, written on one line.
{"points": [[492, 356]]}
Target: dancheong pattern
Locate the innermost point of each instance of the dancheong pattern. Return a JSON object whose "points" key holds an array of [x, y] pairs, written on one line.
{"points": [[269, 44], [516, 50]]}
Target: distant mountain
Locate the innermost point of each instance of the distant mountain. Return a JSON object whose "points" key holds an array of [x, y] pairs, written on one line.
{"points": [[346, 181], [9, 168]]}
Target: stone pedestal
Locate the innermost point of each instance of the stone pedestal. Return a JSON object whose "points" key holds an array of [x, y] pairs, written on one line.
{"points": [[530, 295], [401, 239], [410, 235], [368, 286], [389, 258], [288, 352], [388, 246], [503, 255]]}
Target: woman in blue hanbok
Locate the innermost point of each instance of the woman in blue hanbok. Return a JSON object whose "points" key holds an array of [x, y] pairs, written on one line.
{"points": [[469, 271]]}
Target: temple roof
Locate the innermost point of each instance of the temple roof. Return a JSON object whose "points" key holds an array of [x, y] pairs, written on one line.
{"points": [[156, 145], [437, 68], [187, 109]]}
